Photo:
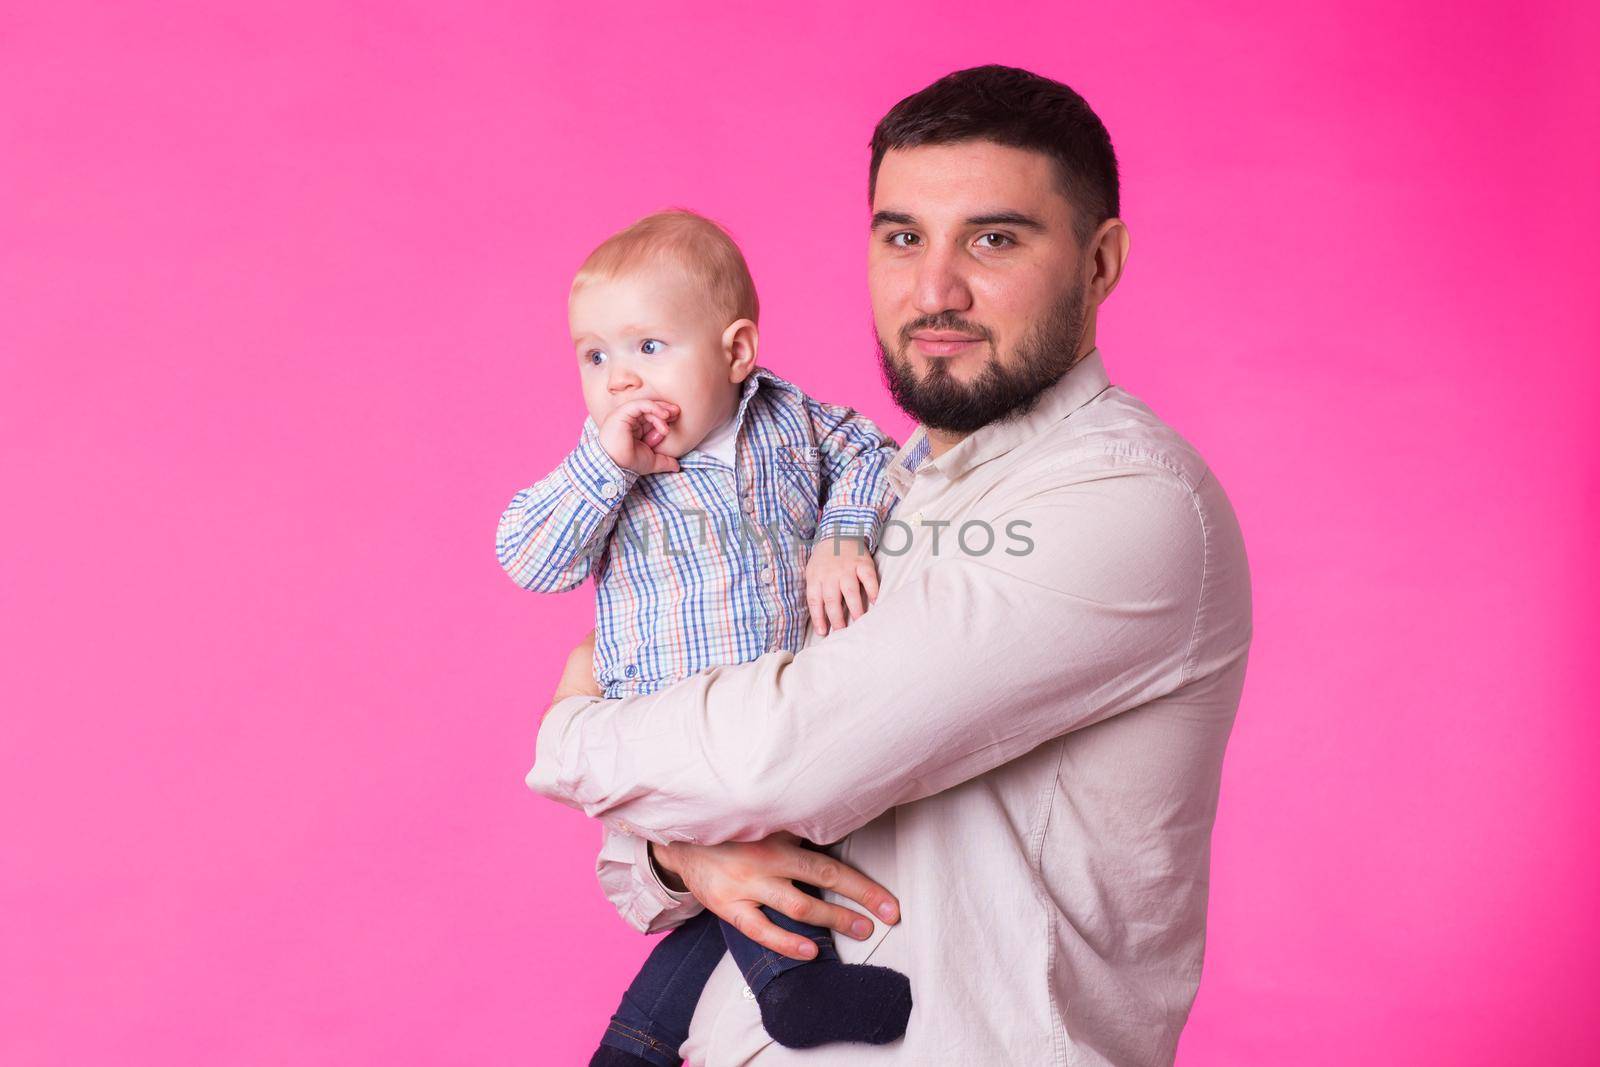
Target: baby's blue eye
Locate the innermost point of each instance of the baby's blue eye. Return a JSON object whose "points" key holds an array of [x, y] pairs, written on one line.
{"points": [[646, 348], [594, 357]]}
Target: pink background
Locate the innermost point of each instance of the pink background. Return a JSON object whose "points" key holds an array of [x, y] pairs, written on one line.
{"points": [[282, 328]]}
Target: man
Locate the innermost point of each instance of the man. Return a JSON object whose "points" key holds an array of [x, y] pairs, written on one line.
{"points": [[1024, 742]]}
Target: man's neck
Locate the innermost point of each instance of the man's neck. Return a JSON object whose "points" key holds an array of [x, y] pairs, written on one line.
{"points": [[941, 441]]}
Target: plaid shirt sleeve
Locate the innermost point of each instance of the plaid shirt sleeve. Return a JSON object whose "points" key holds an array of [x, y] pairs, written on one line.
{"points": [[855, 459], [551, 534]]}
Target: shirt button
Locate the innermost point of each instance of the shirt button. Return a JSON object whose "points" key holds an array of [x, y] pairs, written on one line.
{"points": [[608, 489], [747, 994], [631, 671]]}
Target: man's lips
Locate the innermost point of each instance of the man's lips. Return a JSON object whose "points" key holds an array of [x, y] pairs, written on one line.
{"points": [[943, 343]]}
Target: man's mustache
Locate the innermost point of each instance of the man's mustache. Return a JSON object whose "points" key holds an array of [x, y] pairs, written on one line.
{"points": [[944, 323]]}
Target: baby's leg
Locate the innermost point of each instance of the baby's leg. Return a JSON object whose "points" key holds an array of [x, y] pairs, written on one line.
{"points": [[653, 1019], [805, 1003]]}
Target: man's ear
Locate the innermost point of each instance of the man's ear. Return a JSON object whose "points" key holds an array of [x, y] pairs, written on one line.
{"points": [[1108, 254], [739, 343]]}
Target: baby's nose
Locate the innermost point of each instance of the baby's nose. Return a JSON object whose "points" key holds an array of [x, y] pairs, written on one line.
{"points": [[621, 380]]}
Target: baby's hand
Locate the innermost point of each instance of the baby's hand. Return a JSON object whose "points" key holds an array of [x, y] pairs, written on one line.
{"points": [[841, 573], [631, 433]]}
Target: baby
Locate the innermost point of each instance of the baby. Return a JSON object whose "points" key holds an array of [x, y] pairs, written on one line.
{"points": [[694, 497]]}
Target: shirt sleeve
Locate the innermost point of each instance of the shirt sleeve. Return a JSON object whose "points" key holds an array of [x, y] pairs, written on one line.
{"points": [[1087, 606], [551, 533], [629, 881], [855, 459]]}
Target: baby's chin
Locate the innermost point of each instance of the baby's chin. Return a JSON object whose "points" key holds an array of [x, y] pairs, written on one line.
{"points": [[676, 445]]}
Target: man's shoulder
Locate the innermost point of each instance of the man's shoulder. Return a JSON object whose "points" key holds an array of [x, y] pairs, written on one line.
{"points": [[1113, 435], [1118, 426]]}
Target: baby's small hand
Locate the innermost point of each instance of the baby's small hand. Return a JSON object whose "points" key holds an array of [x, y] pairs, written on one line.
{"points": [[840, 574], [631, 434]]}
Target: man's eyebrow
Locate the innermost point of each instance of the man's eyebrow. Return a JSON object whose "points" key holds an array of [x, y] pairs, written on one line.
{"points": [[988, 218], [1007, 218]]}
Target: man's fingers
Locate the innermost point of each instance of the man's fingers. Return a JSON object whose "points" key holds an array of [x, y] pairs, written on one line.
{"points": [[746, 917], [822, 870], [797, 904]]}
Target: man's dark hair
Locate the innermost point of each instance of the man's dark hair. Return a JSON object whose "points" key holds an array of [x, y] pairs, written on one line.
{"points": [[1012, 107]]}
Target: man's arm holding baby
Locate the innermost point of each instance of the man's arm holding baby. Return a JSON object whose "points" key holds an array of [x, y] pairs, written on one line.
{"points": [[1097, 616], [656, 887]]}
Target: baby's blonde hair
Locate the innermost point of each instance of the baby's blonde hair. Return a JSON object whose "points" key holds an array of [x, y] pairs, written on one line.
{"points": [[700, 249]]}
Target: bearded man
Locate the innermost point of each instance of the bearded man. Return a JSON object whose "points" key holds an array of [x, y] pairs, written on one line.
{"points": [[1024, 742]]}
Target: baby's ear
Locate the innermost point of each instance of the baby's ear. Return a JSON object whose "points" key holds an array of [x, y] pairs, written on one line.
{"points": [[739, 343]]}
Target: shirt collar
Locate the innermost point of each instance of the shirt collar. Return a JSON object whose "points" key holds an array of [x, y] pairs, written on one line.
{"points": [[1079, 385], [758, 377]]}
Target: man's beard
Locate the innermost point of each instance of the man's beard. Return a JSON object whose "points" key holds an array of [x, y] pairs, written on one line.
{"points": [[940, 402]]}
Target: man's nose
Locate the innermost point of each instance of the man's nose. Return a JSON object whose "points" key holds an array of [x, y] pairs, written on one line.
{"points": [[940, 285]]}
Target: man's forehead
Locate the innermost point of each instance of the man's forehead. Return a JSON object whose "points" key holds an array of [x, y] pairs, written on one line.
{"points": [[966, 179]]}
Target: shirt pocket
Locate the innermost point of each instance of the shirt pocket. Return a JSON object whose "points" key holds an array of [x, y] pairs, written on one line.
{"points": [[797, 477]]}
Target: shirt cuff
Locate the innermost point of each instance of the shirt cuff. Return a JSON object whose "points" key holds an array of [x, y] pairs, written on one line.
{"points": [[850, 520], [627, 877], [595, 476], [651, 876]]}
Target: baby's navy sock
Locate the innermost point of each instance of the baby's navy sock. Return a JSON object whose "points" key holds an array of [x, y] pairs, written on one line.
{"points": [[826, 1001]]}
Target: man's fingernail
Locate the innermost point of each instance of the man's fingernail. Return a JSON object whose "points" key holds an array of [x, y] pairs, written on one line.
{"points": [[861, 928], [886, 909], [808, 949]]}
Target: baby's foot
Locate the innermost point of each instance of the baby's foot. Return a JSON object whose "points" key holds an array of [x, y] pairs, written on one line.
{"points": [[826, 1001]]}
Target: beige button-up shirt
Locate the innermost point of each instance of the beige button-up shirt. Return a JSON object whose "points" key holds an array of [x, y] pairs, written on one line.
{"points": [[1023, 744]]}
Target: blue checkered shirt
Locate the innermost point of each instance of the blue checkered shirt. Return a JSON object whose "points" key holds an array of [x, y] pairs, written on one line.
{"points": [[705, 565]]}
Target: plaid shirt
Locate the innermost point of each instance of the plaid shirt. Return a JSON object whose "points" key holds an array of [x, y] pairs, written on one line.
{"points": [[705, 565]]}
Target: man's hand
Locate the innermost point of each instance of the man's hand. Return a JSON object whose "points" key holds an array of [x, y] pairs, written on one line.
{"points": [[734, 879], [632, 432], [577, 678], [840, 575]]}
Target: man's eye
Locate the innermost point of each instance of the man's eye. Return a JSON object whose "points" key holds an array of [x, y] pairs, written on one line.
{"points": [[594, 357], [996, 240], [650, 346], [895, 239]]}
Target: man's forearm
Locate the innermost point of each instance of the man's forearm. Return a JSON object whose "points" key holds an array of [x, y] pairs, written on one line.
{"points": [[893, 709]]}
